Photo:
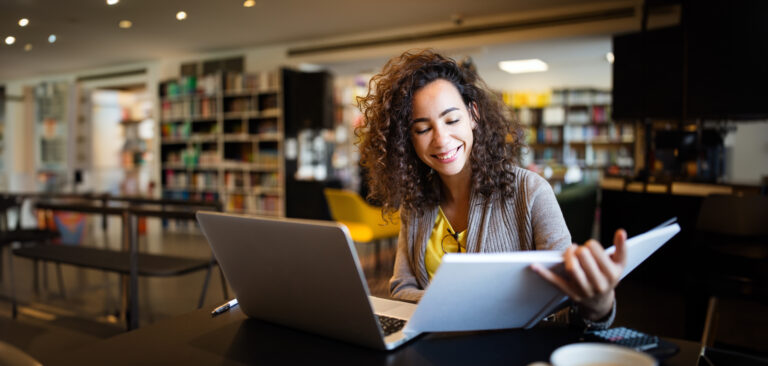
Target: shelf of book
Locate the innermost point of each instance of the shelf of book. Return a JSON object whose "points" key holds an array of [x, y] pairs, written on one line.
{"points": [[224, 141], [573, 127]]}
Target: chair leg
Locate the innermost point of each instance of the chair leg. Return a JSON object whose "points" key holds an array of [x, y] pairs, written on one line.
{"points": [[45, 278], [14, 305], [36, 277], [224, 287], [108, 299], [710, 323], [62, 292], [205, 287]]}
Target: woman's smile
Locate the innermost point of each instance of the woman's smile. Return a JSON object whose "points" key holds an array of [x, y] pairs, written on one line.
{"points": [[449, 156]]}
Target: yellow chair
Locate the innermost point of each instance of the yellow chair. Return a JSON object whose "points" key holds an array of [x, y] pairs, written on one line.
{"points": [[364, 221]]}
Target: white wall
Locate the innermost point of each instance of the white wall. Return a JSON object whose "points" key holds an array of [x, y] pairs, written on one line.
{"points": [[108, 140], [747, 153], [18, 139]]}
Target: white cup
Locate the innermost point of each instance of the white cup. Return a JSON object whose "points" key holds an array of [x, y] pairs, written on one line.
{"points": [[598, 354]]}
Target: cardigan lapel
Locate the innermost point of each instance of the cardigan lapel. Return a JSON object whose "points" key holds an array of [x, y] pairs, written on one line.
{"points": [[420, 234], [479, 211]]}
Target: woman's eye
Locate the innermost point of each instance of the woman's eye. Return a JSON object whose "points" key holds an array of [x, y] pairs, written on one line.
{"points": [[421, 131], [452, 121]]}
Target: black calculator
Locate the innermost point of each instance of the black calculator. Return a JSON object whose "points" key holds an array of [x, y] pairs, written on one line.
{"points": [[624, 337]]}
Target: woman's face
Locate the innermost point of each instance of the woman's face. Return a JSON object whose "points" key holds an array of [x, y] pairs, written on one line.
{"points": [[441, 128]]}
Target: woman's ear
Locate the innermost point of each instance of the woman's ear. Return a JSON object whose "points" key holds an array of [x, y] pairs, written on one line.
{"points": [[473, 114]]}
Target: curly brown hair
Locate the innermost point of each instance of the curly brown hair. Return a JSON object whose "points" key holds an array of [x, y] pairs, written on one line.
{"points": [[396, 175]]}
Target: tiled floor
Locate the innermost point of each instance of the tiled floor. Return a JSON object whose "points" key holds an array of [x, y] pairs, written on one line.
{"points": [[50, 323]]}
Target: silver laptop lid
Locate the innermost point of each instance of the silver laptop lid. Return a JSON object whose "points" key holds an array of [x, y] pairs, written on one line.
{"points": [[299, 273]]}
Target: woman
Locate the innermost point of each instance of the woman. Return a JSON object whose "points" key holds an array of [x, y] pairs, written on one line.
{"points": [[443, 149]]}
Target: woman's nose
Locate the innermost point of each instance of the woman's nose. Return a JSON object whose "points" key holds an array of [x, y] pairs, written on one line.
{"points": [[440, 137]]}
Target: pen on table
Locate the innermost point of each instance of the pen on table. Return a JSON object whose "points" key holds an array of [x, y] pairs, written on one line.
{"points": [[232, 303]]}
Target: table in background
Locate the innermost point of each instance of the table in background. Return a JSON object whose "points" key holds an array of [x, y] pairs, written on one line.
{"points": [[232, 339], [130, 210]]}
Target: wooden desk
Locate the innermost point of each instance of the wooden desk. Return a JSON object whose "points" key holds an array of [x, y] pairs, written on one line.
{"points": [[231, 339]]}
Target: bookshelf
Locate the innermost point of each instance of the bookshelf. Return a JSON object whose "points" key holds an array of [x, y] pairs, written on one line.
{"points": [[82, 139], [222, 139], [572, 127], [2, 136], [52, 134]]}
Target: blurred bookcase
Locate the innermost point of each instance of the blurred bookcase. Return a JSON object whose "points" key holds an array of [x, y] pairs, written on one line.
{"points": [[55, 107], [3, 179], [572, 127], [222, 139], [62, 134], [2, 129]]}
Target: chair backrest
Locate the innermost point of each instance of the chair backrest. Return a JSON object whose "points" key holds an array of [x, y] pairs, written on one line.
{"points": [[349, 208], [744, 216], [347, 205], [8, 204], [578, 204]]}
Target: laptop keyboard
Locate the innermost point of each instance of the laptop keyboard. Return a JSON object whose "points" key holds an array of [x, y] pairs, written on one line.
{"points": [[390, 325]]}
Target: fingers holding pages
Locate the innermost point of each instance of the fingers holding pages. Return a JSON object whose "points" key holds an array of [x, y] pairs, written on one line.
{"points": [[575, 271], [556, 280], [597, 278]]}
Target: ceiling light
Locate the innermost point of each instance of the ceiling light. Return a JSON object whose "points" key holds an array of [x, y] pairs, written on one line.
{"points": [[28, 47], [523, 66], [125, 24], [23, 22], [609, 56], [181, 15], [249, 3], [112, 2], [10, 40], [52, 38]]}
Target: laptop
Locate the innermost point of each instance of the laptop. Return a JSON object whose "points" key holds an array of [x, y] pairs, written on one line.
{"points": [[306, 275]]}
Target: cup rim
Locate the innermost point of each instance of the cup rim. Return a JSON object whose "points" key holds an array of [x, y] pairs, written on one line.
{"points": [[612, 348]]}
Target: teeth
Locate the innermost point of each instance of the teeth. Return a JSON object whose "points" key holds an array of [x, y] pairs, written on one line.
{"points": [[448, 155]]}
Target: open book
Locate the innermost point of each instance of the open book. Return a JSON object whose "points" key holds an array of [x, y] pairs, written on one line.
{"points": [[500, 291]]}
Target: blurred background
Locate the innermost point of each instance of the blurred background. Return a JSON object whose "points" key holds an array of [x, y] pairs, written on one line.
{"points": [[635, 111]]}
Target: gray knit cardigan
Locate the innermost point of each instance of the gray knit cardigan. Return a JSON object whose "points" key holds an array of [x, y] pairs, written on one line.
{"points": [[530, 220]]}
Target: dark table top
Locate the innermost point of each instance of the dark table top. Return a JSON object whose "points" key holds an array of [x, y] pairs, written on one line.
{"points": [[118, 208], [111, 198], [114, 261], [232, 339]]}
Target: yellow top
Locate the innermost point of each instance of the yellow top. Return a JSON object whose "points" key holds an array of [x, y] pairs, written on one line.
{"points": [[442, 241]]}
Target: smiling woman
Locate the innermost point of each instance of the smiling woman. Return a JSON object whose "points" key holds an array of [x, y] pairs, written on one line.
{"points": [[442, 131], [403, 179], [443, 149]]}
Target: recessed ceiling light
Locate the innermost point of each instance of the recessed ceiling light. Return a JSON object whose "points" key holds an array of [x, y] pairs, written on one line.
{"points": [[10, 40], [181, 15], [125, 24], [523, 66], [28, 47], [52, 38], [609, 57], [23, 22], [249, 3], [112, 2]]}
